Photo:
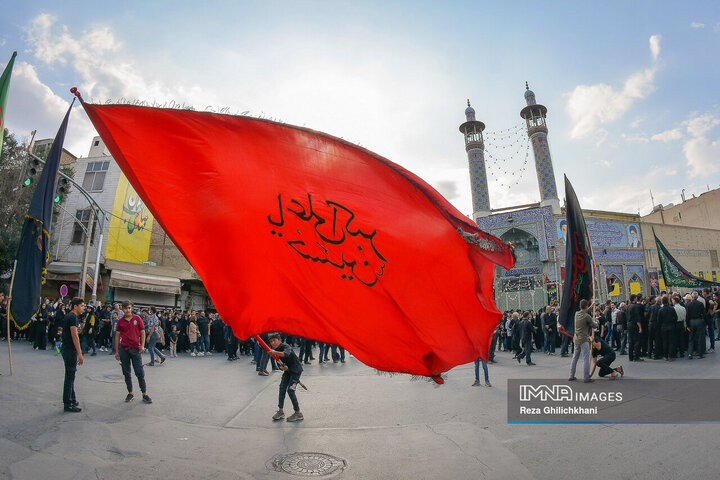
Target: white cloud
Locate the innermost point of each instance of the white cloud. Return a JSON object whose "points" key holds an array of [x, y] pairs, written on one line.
{"points": [[616, 197], [590, 106], [29, 94], [702, 153], [700, 125], [667, 136], [697, 25], [448, 189], [636, 123], [655, 46], [97, 57], [634, 138]]}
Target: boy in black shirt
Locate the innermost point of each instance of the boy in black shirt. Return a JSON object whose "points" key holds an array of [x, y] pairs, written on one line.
{"points": [[292, 369]]}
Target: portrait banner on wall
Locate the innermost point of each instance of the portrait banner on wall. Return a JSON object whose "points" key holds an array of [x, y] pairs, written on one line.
{"points": [[605, 234], [130, 226]]}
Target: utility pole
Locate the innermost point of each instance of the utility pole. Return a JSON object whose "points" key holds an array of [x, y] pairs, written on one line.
{"points": [[88, 238]]}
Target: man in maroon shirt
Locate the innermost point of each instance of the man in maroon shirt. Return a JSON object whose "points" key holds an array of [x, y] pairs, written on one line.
{"points": [[129, 346]]}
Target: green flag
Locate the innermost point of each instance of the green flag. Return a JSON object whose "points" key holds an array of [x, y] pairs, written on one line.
{"points": [[4, 86], [675, 274]]}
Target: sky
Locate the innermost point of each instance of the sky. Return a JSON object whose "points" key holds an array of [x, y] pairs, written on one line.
{"points": [[632, 88]]}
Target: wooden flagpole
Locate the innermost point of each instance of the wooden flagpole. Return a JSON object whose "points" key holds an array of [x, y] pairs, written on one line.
{"points": [[12, 281]]}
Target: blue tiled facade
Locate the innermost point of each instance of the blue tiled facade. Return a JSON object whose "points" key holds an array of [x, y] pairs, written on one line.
{"points": [[540, 224], [478, 180], [536, 221], [639, 270], [616, 270]]}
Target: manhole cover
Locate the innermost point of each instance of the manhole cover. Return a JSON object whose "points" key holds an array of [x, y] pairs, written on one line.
{"points": [[307, 464]]}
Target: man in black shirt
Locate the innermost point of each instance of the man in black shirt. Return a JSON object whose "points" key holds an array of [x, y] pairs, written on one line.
{"points": [[654, 338], [607, 356], [526, 330], [549, 326], [696, 326], [71, 353], [203, 324], [667, 321], [292, 369], [621, 329], [634, 324]]}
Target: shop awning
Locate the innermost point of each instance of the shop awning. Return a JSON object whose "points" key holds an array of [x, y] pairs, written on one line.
{"points": [[70, 272], [144, 281], [65, 268]]}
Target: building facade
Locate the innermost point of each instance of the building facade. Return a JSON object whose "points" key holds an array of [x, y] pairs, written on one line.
{"points": [[136, 259], [623, 245]]}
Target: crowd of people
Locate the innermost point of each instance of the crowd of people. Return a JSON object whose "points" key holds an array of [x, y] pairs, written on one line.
{"points": [[74, 329], [663, 327], [168, 332], [660, 327]]}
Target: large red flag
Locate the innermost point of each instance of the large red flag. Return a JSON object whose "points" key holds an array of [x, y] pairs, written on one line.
{"points": [[294, 230]]}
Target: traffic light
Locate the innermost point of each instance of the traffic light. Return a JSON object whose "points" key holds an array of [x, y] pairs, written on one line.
{"points": [[32, 169], [61, 190]]}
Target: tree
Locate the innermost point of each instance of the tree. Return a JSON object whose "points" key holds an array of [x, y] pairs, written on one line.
{"points": [[14, 200]]}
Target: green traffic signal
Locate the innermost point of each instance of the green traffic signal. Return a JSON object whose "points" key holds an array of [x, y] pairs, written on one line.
{"points": [[31, 171], [61, 190]]}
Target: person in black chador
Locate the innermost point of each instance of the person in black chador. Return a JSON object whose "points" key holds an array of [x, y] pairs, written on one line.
{"points": [[292, 369], [607, 356]]}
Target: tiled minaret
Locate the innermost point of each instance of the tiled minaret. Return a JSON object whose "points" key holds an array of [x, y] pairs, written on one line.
{"points": [[475, 148], [534, 116]]}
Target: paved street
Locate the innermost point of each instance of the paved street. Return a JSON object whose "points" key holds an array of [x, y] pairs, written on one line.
{"points": [[211, 419]]}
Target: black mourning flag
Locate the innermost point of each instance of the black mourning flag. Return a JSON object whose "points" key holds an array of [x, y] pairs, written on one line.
{"points": [[578, 262], [33, 250]]}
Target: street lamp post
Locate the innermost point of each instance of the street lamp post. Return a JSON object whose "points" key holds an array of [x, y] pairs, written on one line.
{"points": [[98, 213]]}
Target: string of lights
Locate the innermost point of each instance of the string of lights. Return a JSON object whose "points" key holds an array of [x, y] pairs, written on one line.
{"points": [[502, 166]]}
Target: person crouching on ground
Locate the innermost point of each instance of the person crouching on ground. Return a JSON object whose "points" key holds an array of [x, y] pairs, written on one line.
{"points": [[607, 356], [292, 369]]}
